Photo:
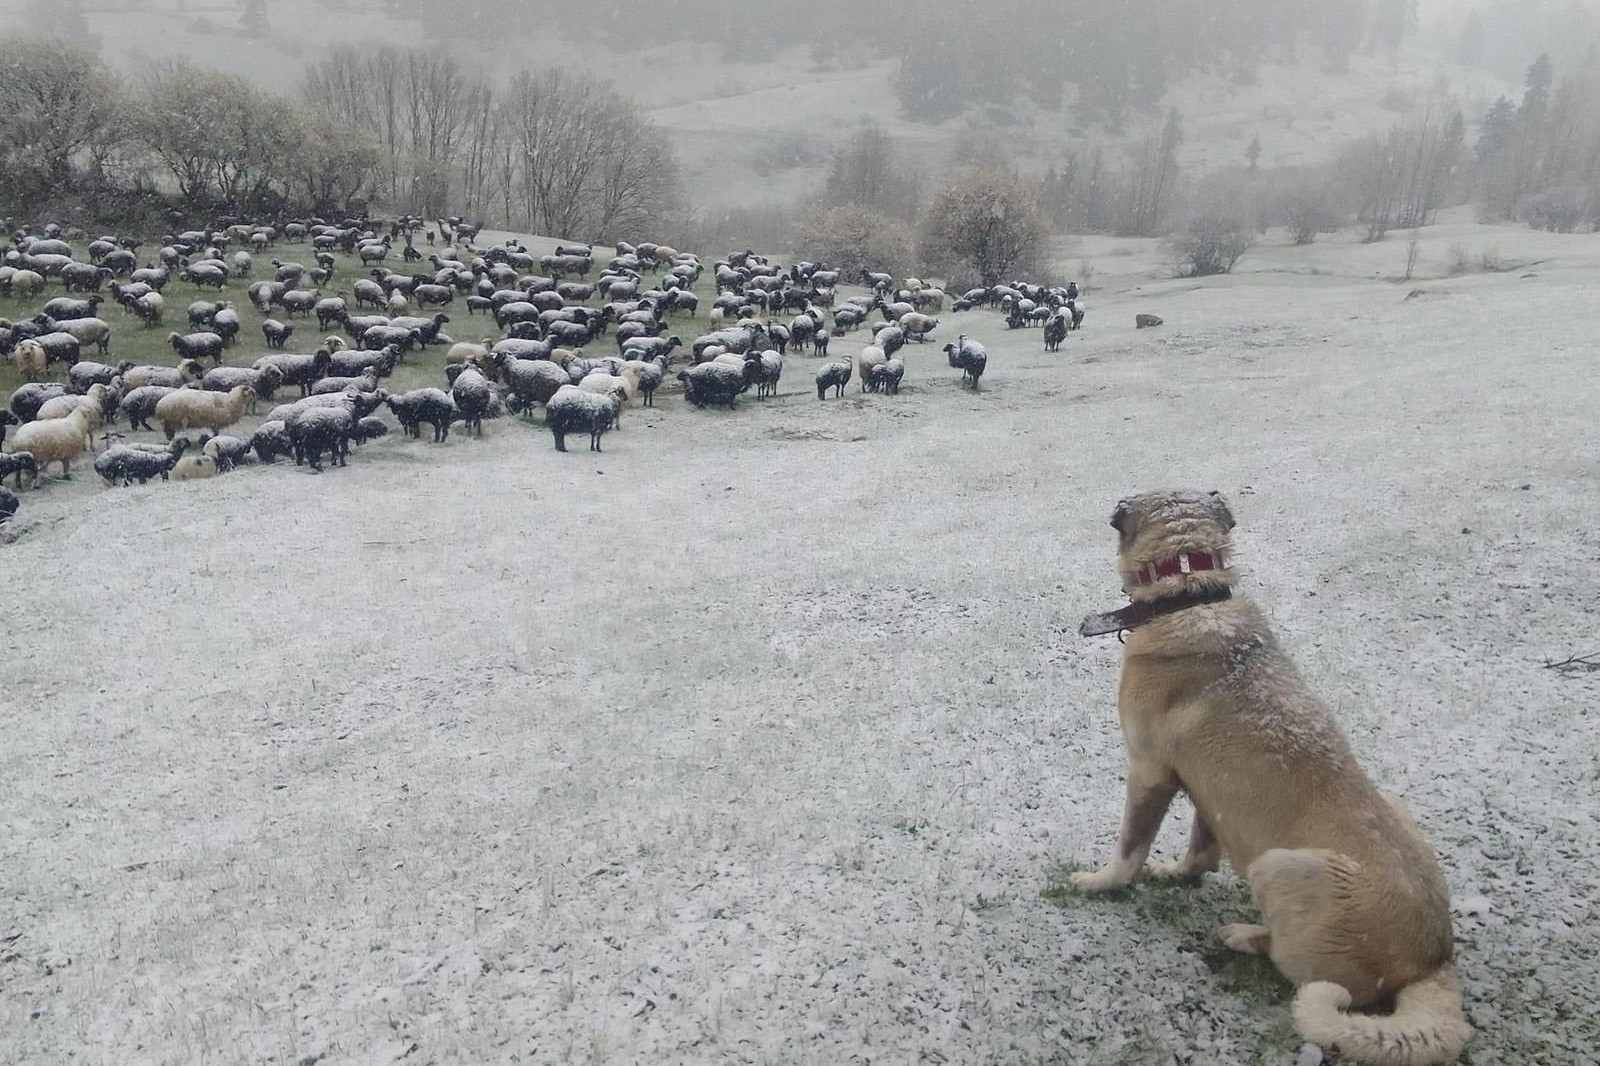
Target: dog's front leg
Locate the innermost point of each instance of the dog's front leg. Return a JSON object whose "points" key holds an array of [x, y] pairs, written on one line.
{"points": [[1150, 792]]}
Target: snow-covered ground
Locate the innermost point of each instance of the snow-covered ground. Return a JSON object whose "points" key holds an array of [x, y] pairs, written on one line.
{"points": [[767, 736]]}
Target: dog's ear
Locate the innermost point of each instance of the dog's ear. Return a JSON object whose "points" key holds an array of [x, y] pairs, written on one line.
{"points": [[1220, 505], [1119, 516]]}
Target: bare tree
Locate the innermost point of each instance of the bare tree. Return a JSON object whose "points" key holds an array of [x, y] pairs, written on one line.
{"points": [[852, 238], [867, 171], [55, 103], [989, 221]]}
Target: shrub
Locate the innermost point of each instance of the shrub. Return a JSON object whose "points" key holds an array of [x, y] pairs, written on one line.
{"points": [[851, 238], [1210, 244]]}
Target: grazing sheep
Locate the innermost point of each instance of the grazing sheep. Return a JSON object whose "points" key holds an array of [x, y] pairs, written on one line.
{"points": [[226, 324], [197, 409], [867, 360], [361, 404], [277, 333], [763, 370], [369, 429], [321, 429], [186, 372], [271, 442], [534, 381], [886, 376], [264, 381], [197, 346], [574, 410], [713, 384], [918, 327], [66, 309], [31, 360], [149, 308], [433, 406], [229, 452], [196, 467], [472, 396], [19, 463], [302, 370], [58, 440], [970, 358], [124, 464], [832, 376], [99, 399]]}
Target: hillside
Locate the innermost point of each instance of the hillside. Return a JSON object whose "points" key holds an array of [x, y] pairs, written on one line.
{"points": [[753, 133]]}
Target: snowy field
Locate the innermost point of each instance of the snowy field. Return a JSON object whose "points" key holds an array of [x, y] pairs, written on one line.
{"points": [[767, 737]]}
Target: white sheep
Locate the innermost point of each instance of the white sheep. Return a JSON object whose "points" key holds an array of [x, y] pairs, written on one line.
{"points": [[31, 360], [88, 331], [195, 409], [62, 406], [867, 359], [57, 440]]}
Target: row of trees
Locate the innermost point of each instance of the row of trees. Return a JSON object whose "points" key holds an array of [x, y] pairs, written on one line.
{"points": [[407, 127]]}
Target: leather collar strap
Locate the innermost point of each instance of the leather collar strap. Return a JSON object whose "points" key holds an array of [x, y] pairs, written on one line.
{"points": [[1182, 563], [1137, 614]]}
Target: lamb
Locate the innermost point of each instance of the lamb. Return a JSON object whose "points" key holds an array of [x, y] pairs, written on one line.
{"points": [[31, 360], [197, 346], [650, 373], [886, 376], [196, 409], [277, 333], [124, 464], [574, 410], [472, 395], [433, 406], [186, 372], [713, 384], [229, 452], [535, 381], [970, 358], [19, 463], [763, 370], [832, 376], [321, 429], [271, 441], [368, 429], [868, 360], [264, 382], [58, 440]]}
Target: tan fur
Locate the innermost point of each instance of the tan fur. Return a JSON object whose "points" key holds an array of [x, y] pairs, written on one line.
{"points": [[1355, 907]]}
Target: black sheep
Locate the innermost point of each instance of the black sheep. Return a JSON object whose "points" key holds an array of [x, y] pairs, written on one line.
{"points": [[832, 376], [271, 442], [1055, 331], [18, 463], [321, 429], [713, 384], [432, 406], [573, 410], [472, 395], [8, 506]]}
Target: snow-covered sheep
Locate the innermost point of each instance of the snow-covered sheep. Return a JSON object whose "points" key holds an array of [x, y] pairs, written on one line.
{"points": [[229, 452], [574, 410], [264, 381], [123, 464], [139, 405], [276, 333], [918, 327], [763, 370], [100, 400], [713, 383], [531, 381], [970, 357], [197, 409], [83, 374], [186, 372], [867, 360], [886, 376], [430, 405], [88, 331], [832, 376], [302, 370], [16, 464], [472, 396], [651, 372], [271, 442], [321, 429], [196, 467], [197, 346], [27, 399]]}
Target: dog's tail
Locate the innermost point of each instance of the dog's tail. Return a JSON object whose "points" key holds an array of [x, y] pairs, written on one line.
{"points": [[1427, 1026]]}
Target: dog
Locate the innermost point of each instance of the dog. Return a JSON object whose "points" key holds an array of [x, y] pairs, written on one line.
{"points": [[1355, 908]]}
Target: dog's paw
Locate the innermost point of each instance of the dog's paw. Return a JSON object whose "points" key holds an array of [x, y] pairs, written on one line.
{"points": [[1177, 870], [1105, 879], [1250, 939]]}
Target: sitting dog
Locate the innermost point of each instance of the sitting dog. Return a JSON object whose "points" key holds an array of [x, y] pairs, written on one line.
{"points": [[1354, 906]]}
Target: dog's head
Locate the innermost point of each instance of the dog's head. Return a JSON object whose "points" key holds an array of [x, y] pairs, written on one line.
{"points": [[1157, 529]]}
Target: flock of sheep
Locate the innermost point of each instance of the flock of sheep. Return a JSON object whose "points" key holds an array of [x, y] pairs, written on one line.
{"points": [[547, 312]]}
